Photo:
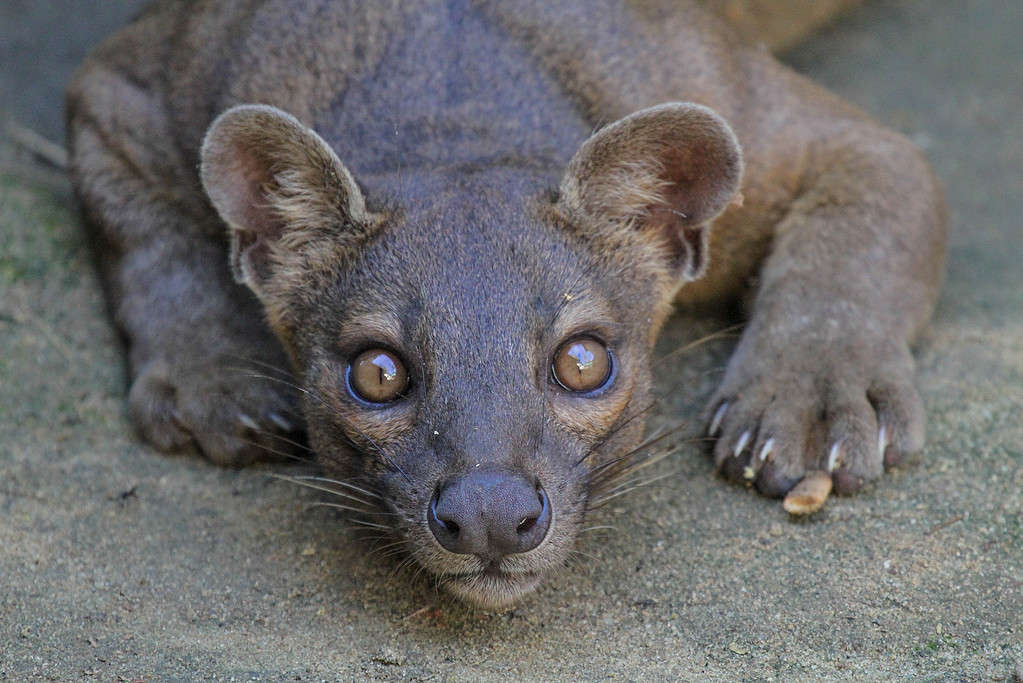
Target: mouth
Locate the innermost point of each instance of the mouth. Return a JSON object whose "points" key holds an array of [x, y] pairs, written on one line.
{"points": [[491, 587]]}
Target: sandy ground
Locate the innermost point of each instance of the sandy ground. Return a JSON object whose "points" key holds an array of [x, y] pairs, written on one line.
{"points": [[119, 563]]}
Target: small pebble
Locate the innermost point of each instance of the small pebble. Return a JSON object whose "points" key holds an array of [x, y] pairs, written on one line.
{"points": [[809, 495]]}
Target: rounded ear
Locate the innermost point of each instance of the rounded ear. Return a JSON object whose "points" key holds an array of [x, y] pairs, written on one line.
{"points": [[289, 202], [666, 171]]}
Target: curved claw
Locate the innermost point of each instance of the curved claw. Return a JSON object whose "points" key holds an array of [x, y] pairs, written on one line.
{"points": [[282, 422], [834, 456], [719, 416], [248, 422], [741, 444]]}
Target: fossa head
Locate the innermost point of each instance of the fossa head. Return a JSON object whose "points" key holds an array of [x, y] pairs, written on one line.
{"points": [[474, 341]]}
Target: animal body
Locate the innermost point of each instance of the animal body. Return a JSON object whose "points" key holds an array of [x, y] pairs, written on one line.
{"points": [[461, 225]]}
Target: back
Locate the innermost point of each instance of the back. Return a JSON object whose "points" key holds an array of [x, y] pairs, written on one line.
{"points": [[433, 82]]}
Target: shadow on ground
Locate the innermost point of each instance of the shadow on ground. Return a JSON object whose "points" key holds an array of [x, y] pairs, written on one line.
{"points": [[118, 561]]}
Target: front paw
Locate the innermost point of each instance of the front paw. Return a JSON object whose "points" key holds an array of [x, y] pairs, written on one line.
{"points": [[847, 407], [233, 411]]}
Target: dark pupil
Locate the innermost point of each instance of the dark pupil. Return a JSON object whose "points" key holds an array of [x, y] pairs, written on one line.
{"points": [[582, 356], [387, 371], [378, 376]]}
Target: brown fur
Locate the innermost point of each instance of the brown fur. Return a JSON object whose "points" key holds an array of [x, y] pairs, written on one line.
{"points": [[470, 184]]}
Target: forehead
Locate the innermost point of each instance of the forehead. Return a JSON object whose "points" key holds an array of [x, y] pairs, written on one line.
{"points": [[472, 260]]}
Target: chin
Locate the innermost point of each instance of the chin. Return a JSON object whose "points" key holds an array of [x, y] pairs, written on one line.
{"points": [[490, 590]]}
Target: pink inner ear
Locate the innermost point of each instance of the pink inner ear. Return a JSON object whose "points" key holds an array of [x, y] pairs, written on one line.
{"points": [[249, 207], [694, 238], [242, 189], [694, 191], [685, 241], [252, 258]]}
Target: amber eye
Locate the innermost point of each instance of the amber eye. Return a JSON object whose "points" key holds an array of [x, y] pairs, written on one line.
{"points": [[377, 376], [582, 364]]}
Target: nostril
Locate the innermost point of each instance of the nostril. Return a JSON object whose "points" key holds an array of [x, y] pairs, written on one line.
{"points": [[533, 527], [529, 522], [526, 525], [441, 520], [437, 520]]}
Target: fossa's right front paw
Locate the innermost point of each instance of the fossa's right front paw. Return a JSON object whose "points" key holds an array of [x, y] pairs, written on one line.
{"points": [[846, 408], [234, 415]]}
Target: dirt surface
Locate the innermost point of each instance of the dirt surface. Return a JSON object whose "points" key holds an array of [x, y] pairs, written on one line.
{"points": [[116, 561]]}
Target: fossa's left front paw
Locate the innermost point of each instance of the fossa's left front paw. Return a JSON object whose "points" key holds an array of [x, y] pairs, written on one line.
{"points": [[843, 405]]}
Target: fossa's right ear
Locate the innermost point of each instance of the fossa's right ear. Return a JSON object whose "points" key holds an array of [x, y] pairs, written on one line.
{"points": [[664, 173], [293, 209]]}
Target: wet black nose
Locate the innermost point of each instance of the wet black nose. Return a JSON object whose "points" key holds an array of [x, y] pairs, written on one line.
{"points": [[491, 514]]}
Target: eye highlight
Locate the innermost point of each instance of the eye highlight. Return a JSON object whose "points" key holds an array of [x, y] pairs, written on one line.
{"points": [[377, 376], [582, 365]]}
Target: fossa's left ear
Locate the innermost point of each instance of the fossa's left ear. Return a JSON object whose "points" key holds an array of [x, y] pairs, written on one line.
{"points": [[666, 172]]}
